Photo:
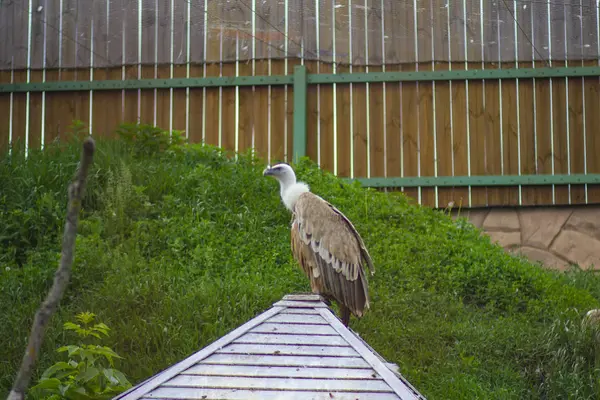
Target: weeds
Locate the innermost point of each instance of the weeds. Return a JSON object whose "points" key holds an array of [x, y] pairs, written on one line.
{"points": [[180, 245]]}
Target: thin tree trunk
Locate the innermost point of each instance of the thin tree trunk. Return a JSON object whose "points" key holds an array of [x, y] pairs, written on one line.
{"points": [[61, 277]]}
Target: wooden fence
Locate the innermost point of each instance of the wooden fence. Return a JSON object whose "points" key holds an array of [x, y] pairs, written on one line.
{"points": [[475, 127]]}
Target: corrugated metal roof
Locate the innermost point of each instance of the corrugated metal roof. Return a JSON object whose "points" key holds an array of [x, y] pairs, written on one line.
{"points": [[298, 349]]}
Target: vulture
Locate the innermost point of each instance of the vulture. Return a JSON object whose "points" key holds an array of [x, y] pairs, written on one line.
{"points": [[326, 245]]}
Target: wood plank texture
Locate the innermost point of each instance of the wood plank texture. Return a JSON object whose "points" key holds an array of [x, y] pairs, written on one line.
{"points": [[299, 311], [291, 339], [297, 361], [233, 394], [282, 372], [294, 328], [281, 384], [301, 350], [297, 319]]}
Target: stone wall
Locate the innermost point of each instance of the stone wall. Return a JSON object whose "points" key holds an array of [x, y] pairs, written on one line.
{"points": [[555, 236]]}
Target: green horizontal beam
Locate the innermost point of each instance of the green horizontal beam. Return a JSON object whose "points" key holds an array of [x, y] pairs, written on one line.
{"points": [[503, 180], [67, 86], [372, 77], [475, 74]]}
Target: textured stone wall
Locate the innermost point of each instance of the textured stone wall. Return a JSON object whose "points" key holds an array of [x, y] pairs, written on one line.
{"points": [[554, 236]]}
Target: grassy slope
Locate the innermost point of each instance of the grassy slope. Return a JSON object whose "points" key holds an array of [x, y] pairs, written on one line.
{"points": [[176, 250]]}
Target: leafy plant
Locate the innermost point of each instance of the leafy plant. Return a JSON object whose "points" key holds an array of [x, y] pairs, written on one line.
{"points": [[146, 139], [89, 372]]}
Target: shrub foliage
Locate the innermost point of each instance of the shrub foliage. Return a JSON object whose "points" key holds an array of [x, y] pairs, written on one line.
{"points": [[179, 244]]}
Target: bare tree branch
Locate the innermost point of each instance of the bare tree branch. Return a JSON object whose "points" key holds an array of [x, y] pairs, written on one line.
{"points": [[61, 277]]}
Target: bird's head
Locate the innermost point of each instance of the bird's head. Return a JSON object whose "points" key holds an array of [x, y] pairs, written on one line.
{"points": [[290, 189], [282, 172]]}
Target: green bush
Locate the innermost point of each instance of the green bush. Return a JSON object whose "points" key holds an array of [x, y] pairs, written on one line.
{"points": [[179, 245]]}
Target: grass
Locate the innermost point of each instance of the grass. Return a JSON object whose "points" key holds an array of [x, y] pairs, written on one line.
{"points": [[176, 248]]}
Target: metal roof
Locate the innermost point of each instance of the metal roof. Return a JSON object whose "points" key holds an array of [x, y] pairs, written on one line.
{"points": [[298, 349]]}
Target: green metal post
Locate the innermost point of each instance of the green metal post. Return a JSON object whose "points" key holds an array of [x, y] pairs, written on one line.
{"points": [[300, 84]]}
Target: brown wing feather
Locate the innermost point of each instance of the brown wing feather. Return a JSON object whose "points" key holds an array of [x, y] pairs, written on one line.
{"points": [[330, 252]]}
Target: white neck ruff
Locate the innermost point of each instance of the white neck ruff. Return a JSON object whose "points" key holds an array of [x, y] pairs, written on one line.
{"points": [[291, 192]]}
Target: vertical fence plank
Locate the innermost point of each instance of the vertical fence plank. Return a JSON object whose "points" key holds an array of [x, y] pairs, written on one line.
{"points": [[475, 101], [149, 69], [198, 37], [591, 91], [294, 57], [20, 13], [575, 88], [427, 161], [5, 112], [359, 123], [83, 28], [107, 105], [230, 15], [492, 116], [392, 34], [261, 106], [114, 101], [228, 103], [246, 111], [180, 46], [526, 102], [213, 115], [393, 124], [343, 104], [460, 113], [278, 150], [247, 119], [52, 21], [310, 32], [592, 125], [61, 105], [541, 42], [6, 32], [277, 39], [289, 113], [327, 150], [443, 111], [36, 75], [53, 38], [510, 101], [261, 102], [131, 55], [592, 102], [543, 136], [359, 91], [409, 100], [313, 102], [376, 99], [163, 68], [114, 35], [559, 104]]}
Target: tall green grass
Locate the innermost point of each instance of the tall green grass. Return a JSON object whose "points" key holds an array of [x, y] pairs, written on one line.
{"points": [[178, 247]]}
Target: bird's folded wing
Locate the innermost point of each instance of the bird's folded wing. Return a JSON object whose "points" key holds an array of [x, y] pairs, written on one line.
{"points": [[330, 251]]}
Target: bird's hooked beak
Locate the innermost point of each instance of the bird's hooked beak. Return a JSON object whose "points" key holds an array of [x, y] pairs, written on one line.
{"points": [[268, 171]]}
